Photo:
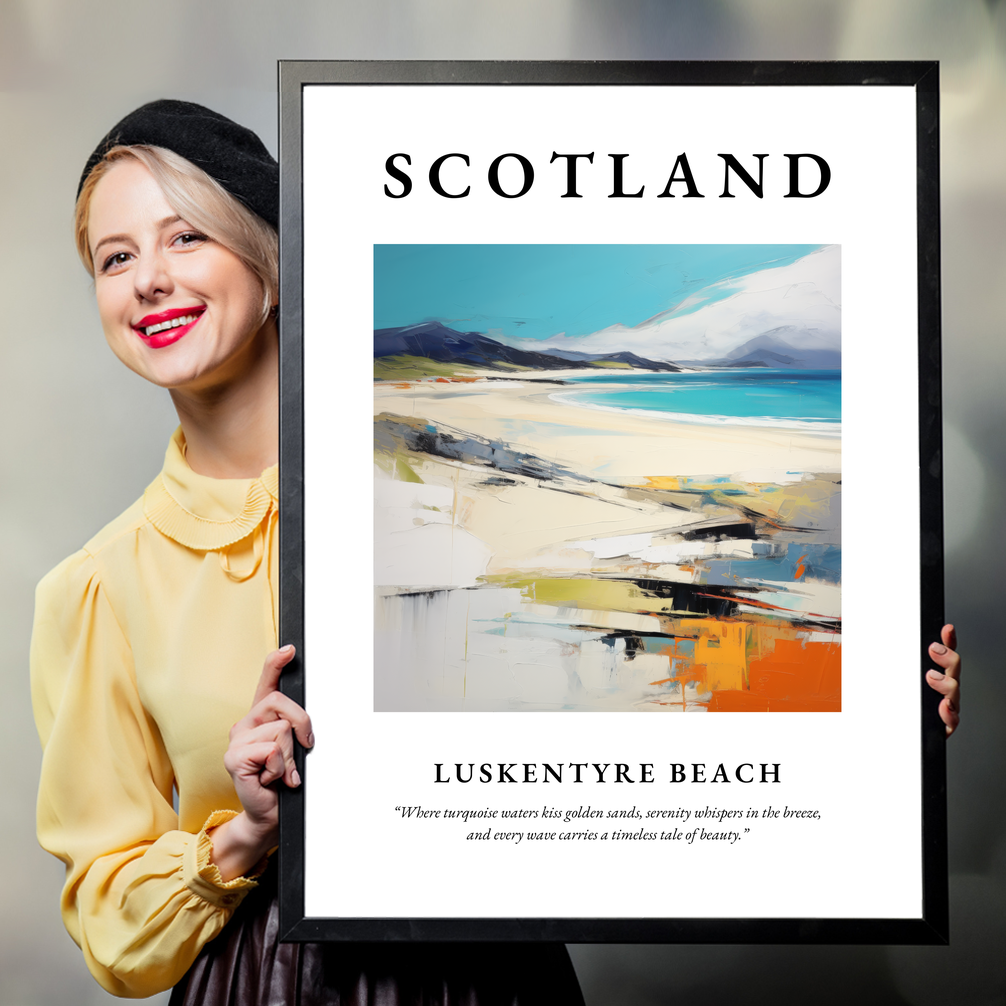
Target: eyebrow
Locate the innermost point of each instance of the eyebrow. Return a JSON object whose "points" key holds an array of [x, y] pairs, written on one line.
{"points": [[111, 238]]}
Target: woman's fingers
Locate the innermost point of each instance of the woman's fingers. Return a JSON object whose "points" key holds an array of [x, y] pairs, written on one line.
{"points": [[949, 660], [261, 749], [270, 703], [947, 681], [949, 688], [277, 735], [277, 706], [260, 761], [949, 636], [274, 766], [944, 684], [271, 671], [949, 710]]}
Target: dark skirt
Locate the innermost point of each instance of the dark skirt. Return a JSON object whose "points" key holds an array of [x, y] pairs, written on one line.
{"points": [[246, 965]]}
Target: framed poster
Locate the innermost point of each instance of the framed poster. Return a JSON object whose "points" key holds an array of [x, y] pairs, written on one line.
{"points": [[611, 501]]}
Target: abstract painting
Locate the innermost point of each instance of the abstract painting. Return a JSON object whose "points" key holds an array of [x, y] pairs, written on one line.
{"points": [[607, 477]]}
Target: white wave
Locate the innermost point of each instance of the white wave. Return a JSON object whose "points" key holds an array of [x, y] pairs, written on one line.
{"points": [[776, 422]]}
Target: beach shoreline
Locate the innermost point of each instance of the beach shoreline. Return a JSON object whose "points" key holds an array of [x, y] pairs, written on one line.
{"points": [[607, 442]]}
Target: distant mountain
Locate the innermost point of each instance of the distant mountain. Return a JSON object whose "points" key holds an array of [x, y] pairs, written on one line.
{"points": [[772, 349], [435, 341], [625, 357]]}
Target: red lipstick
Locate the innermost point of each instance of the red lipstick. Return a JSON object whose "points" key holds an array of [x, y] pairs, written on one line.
{"points": [[166, 327]]}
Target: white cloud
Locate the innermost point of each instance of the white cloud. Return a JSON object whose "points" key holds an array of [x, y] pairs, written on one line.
{"points": [[802, 299]]}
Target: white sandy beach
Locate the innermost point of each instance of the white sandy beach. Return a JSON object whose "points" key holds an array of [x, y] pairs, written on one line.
{"points": [[609, 443], [578, 495], [518, 525]]}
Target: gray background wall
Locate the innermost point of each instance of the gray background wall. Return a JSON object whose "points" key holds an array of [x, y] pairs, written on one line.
{"points": [[82, 436]]}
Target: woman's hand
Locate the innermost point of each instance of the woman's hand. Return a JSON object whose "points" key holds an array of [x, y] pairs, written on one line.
{"points": [[948, 681], [260, 753]]}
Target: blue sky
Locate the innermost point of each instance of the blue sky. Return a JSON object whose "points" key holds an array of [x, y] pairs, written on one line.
{"points": [[538, 291]]}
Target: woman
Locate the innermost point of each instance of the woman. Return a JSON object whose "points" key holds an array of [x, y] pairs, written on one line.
{"points": [[149, 642]]}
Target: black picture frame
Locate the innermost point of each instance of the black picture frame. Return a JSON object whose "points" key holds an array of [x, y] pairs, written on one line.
{"points": [[932, 925]]}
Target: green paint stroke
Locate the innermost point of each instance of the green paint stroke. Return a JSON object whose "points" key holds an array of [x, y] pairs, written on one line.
{"points": [[404, 472], [595, 595], [412, 368]]}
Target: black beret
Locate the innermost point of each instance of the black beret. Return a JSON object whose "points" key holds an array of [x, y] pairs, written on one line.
{"points": [[230, 154]]}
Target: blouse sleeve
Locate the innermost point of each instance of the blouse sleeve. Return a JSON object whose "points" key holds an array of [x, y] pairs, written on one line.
{"points": [[141, 898]]}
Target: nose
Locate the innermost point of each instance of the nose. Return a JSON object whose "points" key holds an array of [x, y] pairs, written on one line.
{"points": [[152, 276]]}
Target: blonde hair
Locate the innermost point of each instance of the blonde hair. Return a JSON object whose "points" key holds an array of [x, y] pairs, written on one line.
{"points": [[199, 200]]}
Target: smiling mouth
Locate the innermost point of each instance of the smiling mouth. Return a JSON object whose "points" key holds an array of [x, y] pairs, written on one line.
{"points": [[167, 321], [185, 319]]}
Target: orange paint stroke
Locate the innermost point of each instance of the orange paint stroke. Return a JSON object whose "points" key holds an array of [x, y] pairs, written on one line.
{"points": [[745, 600], [798, 676], [756, 664]]}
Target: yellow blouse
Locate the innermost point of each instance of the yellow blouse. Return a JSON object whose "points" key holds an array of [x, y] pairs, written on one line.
{"points": [[147, 647]]}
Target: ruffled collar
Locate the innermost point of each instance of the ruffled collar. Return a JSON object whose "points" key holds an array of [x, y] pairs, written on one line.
{"points": [[203, 513]]}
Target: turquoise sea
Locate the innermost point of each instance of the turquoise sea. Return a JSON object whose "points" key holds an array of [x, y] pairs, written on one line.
{"points": [[775, 397]]}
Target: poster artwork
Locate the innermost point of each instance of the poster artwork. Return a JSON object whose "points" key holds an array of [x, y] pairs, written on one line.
{"points": [[607, 477], [603, 384]]}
